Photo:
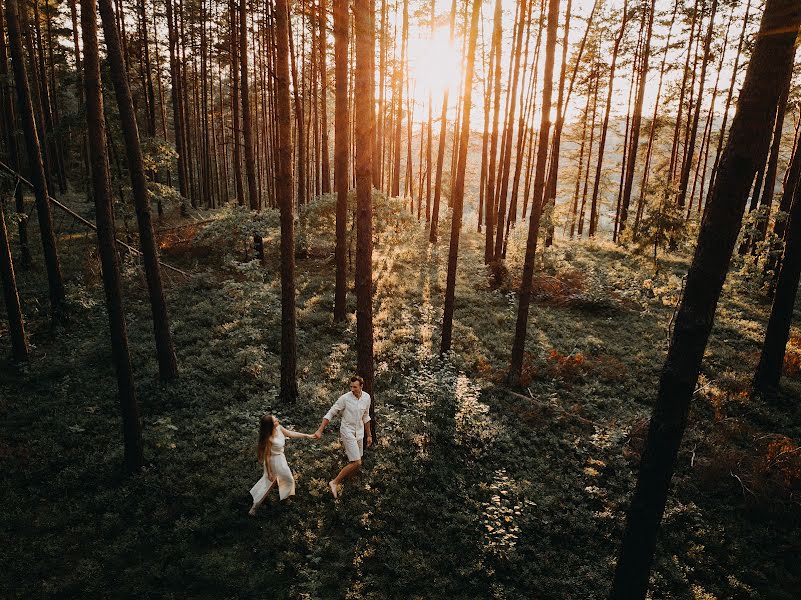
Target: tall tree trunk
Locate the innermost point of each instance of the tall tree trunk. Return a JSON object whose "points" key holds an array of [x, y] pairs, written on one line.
{"points": [[363, 106], [54, 280], [674, 152], [458, 191], [165, 351], [341, 149], [550, 187], [101, 184], [443, 127], [235, 127], [299, 123], [746, 148], [487, 68], [773, 160], [605, 127], [399, 82], [247, 129], [176, 93], [12, 146], [732, 86], [489, 211], [326, 161], [594, 91], [771, 360], [574, 209], [689, 151], [289, 383], [652, 128], [506, 156], [16, 326], [636, 124], [519, 343]]}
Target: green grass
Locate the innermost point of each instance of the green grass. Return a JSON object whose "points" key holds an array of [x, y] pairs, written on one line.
{"points": [[474, 490]]}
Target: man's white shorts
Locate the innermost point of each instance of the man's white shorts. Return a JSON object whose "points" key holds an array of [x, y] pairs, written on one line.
{"points": [[353, 446]]}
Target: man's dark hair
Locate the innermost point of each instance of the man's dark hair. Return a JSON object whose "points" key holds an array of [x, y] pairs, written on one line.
{"points": [[357, 378]]}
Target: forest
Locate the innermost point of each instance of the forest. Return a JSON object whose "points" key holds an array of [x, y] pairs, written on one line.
{"points": [[551, 247]]}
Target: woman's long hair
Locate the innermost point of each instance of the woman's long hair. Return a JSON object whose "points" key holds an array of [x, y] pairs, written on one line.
{"points": [[266, 427]]}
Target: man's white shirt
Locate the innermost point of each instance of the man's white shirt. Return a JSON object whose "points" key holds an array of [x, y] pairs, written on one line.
{"points": [[355, 413]]}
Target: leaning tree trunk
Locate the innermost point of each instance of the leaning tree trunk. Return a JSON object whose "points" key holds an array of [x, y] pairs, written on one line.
{"points": [[363, 94], [746, 148], [518, 345], [289, 382], [458, 191], [168, 367], [101, 185], [54, 280], [16, 326], [771, 360], [341, 149]]}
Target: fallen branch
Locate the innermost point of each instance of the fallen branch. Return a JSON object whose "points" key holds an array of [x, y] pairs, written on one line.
{"points": [[86, 222]]}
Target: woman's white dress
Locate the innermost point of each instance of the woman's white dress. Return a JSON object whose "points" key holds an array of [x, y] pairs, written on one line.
{"points": [[281, 472]]}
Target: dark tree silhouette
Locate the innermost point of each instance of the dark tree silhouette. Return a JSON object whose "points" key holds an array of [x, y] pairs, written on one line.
{"points": [[746, 149], [101, 186]]}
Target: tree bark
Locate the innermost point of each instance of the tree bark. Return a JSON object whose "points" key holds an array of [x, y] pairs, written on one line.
{"points": [[165, 351], [443, 127], [54, 280], [747, 146], [489, 211], [363, 94], [12, 146], [506, 156], [519, 342], [690, 147], [16, 326], [299, 123], [101, 184], [458, 191], [247, 128], [341, 149], [605, 127], [289, 383], [635, 125], [771, 360]]}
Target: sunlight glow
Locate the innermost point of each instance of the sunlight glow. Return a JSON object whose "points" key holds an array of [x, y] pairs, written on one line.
{"points": [[434, 64]]}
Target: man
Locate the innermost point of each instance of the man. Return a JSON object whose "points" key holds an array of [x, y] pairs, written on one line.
{"points": [[355, 410]]}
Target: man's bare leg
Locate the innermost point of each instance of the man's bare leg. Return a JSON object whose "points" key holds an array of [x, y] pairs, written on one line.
{"points": [[346, 472]]}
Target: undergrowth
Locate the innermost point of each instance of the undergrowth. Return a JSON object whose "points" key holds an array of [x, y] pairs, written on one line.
{"points": [[474, 490]]}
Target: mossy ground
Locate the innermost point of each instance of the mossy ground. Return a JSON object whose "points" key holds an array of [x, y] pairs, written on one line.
{"points": [[475, 490]]}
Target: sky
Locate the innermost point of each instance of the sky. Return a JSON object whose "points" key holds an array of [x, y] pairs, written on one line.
{"points": [[435, 64]]}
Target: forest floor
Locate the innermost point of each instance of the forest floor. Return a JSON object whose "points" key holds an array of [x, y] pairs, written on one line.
{"points": [[474, 490]]}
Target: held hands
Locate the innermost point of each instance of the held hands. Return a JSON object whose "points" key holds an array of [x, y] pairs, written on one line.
{"points": [[317, 434]]}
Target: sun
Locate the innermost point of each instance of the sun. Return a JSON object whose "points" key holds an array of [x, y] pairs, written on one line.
{"points": [[434, 65]]}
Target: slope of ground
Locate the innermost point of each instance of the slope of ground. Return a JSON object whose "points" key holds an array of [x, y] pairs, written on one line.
{"points": [[474, 489]]}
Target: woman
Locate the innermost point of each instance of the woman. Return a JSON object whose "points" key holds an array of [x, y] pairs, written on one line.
{"points": [[270, 452]]}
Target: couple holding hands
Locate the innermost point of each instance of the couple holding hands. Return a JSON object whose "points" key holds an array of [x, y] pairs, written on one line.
{"points": [[355, 410]]}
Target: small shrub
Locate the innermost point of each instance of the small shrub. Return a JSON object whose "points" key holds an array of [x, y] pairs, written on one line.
{"points": [[792, 357]]}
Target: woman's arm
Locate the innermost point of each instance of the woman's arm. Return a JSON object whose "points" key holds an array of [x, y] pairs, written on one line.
{"points": [[295, 434], [267, 453]]}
